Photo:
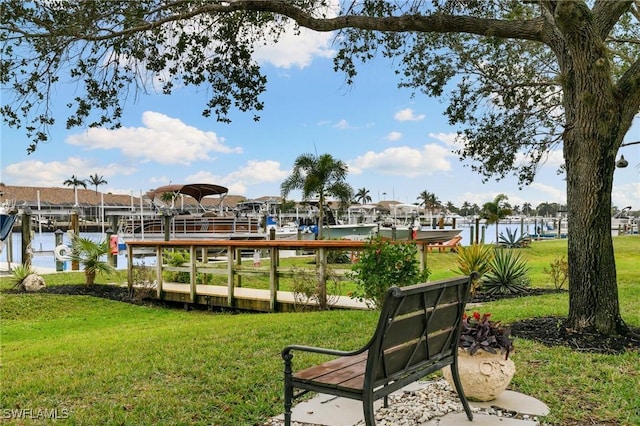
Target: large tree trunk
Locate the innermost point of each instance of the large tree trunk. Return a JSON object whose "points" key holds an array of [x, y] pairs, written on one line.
{"points": [[590, 146], [593, 292], [591, 139]]}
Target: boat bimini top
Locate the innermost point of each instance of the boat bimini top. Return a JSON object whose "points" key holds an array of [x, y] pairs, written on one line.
{"points": [[195, 190]]}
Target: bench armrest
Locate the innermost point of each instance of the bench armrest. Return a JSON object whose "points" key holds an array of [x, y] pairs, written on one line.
{"points": [[286, 352]]}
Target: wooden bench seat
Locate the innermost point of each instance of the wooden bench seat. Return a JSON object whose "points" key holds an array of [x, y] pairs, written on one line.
{"points": [[417, 334]]}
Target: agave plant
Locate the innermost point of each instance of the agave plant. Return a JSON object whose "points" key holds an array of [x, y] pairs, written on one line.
{"points": [[475, 258], [18, 275], [512, 240], [508, 274], [91, 255]]}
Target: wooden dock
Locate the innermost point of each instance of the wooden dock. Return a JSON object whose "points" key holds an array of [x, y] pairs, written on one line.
{"points": [[234, 295]]}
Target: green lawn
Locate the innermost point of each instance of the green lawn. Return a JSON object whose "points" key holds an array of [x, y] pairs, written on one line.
{"points": [[102, 362]]}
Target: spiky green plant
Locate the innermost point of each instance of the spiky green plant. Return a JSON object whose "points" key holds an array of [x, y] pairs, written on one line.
{"points": [[92, 256], [512, 240], [19, 273], [475, 258], [508, 274]]}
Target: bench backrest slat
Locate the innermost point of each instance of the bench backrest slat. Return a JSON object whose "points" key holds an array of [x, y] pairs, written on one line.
{"points": [[419, 325]]}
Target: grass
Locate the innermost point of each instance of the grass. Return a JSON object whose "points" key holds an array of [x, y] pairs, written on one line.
{"points": [[103, 362]]}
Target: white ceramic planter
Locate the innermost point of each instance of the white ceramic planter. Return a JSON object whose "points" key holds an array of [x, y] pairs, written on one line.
{"points": [[484, 376]]}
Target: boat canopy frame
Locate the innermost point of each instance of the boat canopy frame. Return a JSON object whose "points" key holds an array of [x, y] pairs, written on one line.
{"points": [[195, 190]]}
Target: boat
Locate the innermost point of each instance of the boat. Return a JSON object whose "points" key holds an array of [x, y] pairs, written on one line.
{"points": [[405, 223], [356, 231], [622, 223], [163, 220], [8, 215], [426, 235], [289, 230]]}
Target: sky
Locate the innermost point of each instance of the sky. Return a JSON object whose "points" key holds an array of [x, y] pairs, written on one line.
{"points": [[396, 145]]}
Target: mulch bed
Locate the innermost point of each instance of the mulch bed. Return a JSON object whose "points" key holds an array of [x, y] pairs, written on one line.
{"points": [[550, 331]]}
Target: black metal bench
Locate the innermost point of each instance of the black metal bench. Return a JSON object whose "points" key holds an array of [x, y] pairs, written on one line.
{"points": [[417, 334]]}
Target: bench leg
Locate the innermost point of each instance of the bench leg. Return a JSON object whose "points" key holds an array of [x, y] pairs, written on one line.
{"points": [[369, 415], [288, 390], [456, 380]]}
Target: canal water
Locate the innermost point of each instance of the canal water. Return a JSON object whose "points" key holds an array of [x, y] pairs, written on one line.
{"points": [[43, 245]]}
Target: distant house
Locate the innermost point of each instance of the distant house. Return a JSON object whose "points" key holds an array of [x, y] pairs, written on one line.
{"points": [[56, 201]]}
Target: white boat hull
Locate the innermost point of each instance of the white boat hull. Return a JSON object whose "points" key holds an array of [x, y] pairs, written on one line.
{"points": [[431, 236]]}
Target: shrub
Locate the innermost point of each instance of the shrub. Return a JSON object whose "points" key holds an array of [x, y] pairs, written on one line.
{"points": [[338, 257], [559, 272], [180, 258], [177, 258], [508, 274], [144, 282], [475, 258], [383, 264], [306, 289]]}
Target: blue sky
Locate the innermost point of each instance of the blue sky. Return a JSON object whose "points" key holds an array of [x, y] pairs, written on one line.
{"points": [[396, 145]]}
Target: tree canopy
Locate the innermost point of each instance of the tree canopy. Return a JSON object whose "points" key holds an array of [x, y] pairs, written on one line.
{"points": [[519, 77]]}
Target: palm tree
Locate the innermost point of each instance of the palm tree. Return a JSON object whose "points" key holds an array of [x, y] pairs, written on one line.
{"points": [[465, 210], [169, 197], [96, 181], [362, 196], [91, 255], [451, 208], [495, 210], [429, 201], [75, 182], [319, 175]]}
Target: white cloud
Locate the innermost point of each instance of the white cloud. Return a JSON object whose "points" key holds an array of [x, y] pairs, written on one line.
{"points": [[394, 136], [555, 195], [54, 173], [404, 161], [251, 174], [259, 172], [299, 50], [626, 195], [449, 139], [554, 158], [163, 139], [342, 124], [408, 115], [296, 50]]}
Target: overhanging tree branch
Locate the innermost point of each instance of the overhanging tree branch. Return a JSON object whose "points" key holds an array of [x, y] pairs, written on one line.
{"points": [[607, 13], [441, 23]]}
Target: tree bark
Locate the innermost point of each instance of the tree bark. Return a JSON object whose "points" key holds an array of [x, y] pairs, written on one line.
{"points": [[591, 140], [593, 295]]}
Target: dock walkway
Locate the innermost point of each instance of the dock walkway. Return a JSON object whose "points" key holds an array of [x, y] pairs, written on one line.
{"points": [[254, 294], [235, 295]]}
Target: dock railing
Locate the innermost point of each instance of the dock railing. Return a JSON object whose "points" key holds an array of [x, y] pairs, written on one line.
{"points": [[202, 260]]}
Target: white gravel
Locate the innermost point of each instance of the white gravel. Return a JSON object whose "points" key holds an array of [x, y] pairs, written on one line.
{"points": [[416, 407]]}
